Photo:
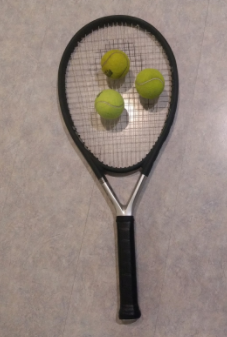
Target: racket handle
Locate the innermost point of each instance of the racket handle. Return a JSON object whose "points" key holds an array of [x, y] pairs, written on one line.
{"points": [[129, 308]]}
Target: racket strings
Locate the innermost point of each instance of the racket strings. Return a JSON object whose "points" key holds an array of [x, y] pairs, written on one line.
{"points": [[127, 140]]}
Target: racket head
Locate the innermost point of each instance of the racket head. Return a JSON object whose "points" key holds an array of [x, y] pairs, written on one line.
{"points": [[133, 141]]}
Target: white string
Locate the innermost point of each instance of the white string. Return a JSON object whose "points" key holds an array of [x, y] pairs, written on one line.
{"points": [[123, 142]]}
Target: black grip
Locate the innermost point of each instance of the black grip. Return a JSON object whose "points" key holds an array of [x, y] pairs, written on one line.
{"points": [[129, 308]]}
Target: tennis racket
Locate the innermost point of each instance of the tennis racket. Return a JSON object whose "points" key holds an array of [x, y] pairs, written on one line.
{"points": [[129, 143]]}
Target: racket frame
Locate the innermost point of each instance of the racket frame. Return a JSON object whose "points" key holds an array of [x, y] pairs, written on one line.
{"points": [[129, 308]]}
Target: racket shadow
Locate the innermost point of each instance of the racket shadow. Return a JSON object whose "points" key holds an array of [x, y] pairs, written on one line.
{"points": [[118, 124], [156, 104], [122, 84]]}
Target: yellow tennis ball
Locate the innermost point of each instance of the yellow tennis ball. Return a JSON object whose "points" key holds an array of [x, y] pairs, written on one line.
{"points": [[109, 104], [150, 83], [115, 64]]}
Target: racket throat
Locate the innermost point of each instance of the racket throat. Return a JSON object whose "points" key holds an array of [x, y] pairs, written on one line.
{"points": [[122, 210]]}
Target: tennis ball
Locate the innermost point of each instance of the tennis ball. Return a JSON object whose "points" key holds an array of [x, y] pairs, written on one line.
{"points": [[150, 83], [115, 64], [109, 104]]}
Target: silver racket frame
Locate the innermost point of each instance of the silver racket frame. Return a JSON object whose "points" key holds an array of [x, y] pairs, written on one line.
{"points": [[122, 210]]}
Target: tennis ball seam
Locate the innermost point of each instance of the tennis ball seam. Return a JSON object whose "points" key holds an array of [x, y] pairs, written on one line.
{"points": [[124, 70], [153, 79], [114, 106], [116, 52]]}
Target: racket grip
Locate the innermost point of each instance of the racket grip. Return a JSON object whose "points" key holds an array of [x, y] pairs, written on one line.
{"points": [[129, 308]]}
